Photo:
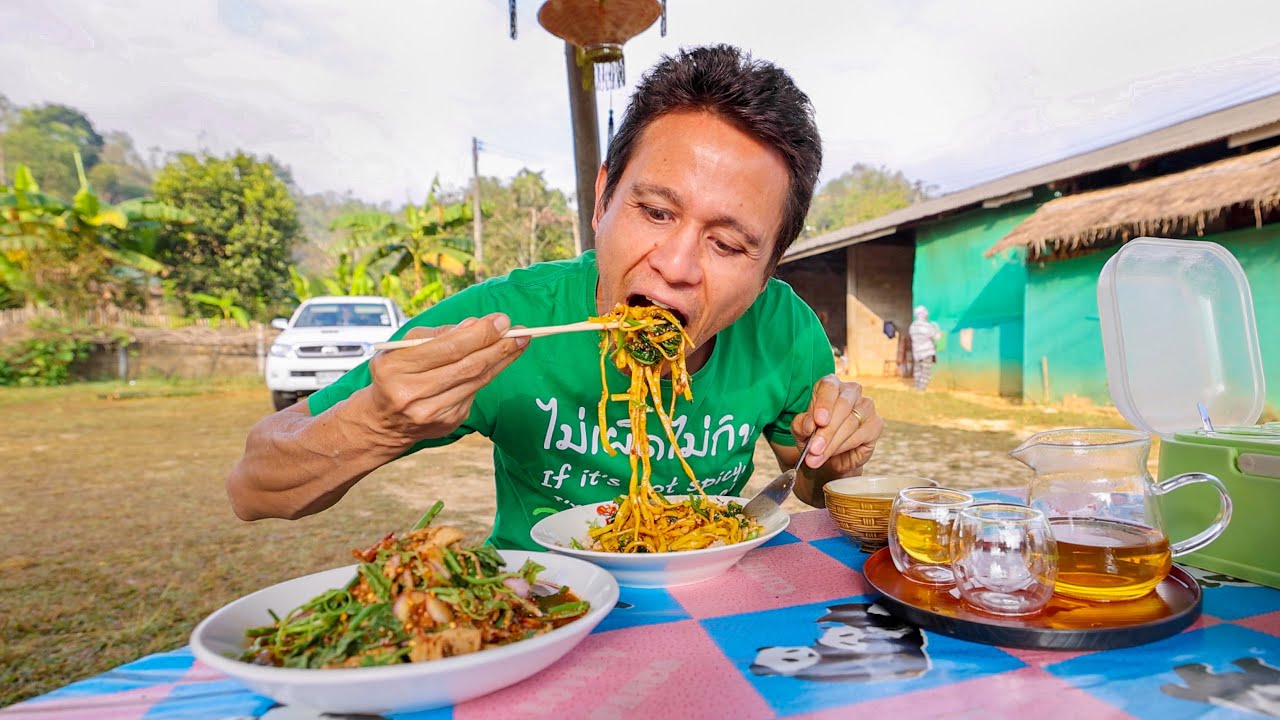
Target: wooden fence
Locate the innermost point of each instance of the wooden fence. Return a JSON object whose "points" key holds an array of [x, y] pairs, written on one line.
{"points": [[23, 315], [162, 344]]}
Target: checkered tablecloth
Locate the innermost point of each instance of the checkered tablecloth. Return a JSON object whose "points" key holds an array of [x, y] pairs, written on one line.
{"points": [[791, 631]]}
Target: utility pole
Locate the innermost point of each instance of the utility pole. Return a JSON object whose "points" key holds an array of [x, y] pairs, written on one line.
{"points": [[586, 146], [477, 230]]}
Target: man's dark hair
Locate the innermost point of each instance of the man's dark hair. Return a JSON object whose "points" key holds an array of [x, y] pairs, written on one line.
{"points": [[756, 96]]}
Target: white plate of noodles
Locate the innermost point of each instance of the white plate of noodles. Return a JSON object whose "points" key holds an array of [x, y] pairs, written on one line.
{"points": [[568, 532], [646, 539]]}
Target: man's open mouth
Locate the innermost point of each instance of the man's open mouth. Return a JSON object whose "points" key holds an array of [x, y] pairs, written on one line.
{"points": [[644, 300]]}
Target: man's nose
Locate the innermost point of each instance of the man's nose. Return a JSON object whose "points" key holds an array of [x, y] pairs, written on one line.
{"points": [[678, 257]]}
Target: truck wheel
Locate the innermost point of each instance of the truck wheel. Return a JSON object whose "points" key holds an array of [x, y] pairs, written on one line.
{"points": [[283, 400]]}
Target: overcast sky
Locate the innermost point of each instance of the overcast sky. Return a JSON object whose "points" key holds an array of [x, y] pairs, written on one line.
{"points": [[380, 96]]}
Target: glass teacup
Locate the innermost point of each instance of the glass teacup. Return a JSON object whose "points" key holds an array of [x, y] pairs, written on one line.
{"points": [[1004, 558], [920, 527]]}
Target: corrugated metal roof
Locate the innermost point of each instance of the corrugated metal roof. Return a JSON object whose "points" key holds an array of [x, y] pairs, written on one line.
{"points": [[1208, 128]]}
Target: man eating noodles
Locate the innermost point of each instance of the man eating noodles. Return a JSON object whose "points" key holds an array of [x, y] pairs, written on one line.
{"points": [[705, 185]]}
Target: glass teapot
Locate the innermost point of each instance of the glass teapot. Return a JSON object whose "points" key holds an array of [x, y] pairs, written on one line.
{"points": [[1101, 503]]}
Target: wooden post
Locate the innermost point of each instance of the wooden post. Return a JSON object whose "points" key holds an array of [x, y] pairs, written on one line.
{"points": [[852, 348], [477, 232], [1044, 376], [586, 146], [261, 349]]}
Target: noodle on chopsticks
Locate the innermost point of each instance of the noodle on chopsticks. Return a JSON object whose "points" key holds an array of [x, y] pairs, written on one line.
{"points": [[648, 343]]}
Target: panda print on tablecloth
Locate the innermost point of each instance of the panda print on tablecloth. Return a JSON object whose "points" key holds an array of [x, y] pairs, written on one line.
{"points": [[859, 642]]}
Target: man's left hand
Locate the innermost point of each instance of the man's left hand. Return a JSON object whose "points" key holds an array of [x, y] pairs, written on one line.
{"points": [[846, 424]]}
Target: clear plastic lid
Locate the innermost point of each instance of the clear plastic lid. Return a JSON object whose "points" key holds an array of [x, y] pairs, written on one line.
{"points": [[1178, 329]]}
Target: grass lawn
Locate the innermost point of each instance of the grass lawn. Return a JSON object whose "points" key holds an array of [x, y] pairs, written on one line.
{"points": [[119, 538]]}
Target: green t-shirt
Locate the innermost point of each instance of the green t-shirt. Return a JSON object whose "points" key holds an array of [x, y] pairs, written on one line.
{"points": [[540, 412]]}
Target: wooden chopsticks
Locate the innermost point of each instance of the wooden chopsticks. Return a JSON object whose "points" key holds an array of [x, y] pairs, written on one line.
{"points": [[514, 332]]}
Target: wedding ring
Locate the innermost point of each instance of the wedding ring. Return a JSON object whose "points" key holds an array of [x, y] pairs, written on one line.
{"points": [[858, 415]]}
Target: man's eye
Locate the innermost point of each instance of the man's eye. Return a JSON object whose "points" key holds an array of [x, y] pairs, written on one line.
{"points": [[724, 248], [657, 214]]}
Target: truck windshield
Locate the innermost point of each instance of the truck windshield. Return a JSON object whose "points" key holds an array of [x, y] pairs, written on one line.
{"points": [[343, 314]]}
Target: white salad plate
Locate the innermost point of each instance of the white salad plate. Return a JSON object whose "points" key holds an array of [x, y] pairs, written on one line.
{"points": [[220, 639]]}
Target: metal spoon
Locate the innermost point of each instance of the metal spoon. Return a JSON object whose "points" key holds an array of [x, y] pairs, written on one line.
{"points": [[769, 500], [1204, 418]]}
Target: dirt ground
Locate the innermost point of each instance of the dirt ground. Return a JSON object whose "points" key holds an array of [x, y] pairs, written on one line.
{"points": [[119, 539]]}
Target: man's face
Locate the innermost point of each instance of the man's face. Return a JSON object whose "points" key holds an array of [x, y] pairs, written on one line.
{"points": [[692, 223]]}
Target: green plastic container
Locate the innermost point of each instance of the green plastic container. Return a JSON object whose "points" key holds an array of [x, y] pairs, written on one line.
{"points": [[1249, 466], [1179, 332]]}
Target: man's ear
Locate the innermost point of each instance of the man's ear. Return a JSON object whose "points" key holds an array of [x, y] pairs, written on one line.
{"points": [[601, 179]]}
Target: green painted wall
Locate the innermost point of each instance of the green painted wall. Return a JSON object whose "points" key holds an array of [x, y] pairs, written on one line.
{"points": [[1062, 330], [1259, 252], [1062, 318], [966, 291]]}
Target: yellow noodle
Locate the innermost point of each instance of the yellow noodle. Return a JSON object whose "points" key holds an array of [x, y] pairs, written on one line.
{"points": [[645, 520]]}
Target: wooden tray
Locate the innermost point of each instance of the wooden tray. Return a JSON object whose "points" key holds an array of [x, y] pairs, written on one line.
{"points": [[1064, 624]]}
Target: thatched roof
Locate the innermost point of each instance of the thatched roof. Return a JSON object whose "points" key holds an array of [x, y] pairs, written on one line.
{"points": [[1178, 204]]}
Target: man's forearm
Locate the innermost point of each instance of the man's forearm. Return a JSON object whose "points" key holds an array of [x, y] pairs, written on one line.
{"points": [[296, 464]]}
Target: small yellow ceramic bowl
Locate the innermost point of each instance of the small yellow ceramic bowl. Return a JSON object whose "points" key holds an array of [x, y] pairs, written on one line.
{"points": [[860, 505]]}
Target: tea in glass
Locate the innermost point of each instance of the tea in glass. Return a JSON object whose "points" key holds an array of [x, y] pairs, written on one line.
{"points": [[1104, 560], [920, 526]]}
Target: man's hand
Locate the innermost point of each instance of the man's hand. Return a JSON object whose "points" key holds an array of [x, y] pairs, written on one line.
{"points": [[426, 391], [296, 464], [845, 427]]}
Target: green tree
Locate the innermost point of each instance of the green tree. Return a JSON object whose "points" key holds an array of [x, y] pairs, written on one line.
{"points": [[121, 173], [8, 112], [245, 230], [528, 222], [426, 241], [863, 193], [8, 115], [45, 138], [317, 254]]}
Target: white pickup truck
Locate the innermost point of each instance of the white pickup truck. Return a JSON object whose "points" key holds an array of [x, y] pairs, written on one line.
{"points": [[326, 337]]}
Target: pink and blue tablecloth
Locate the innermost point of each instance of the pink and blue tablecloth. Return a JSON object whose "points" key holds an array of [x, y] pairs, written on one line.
{"points": [[792, 631]]}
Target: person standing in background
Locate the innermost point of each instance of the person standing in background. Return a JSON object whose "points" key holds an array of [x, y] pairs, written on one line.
{"points": [[923, 350]]}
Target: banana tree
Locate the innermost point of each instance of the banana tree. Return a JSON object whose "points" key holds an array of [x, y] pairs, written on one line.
{"points": [[356, 279], [48, 242], [304, 288], [427, 239], [350, 278], [226, 305], [141, 240], [393, 287]]}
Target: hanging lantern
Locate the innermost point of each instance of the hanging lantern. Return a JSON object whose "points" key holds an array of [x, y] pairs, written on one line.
{"points": [[598, 28]]}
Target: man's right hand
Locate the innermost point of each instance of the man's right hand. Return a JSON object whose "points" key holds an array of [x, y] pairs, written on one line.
{"points": [[296, 464], [426, 391]]}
